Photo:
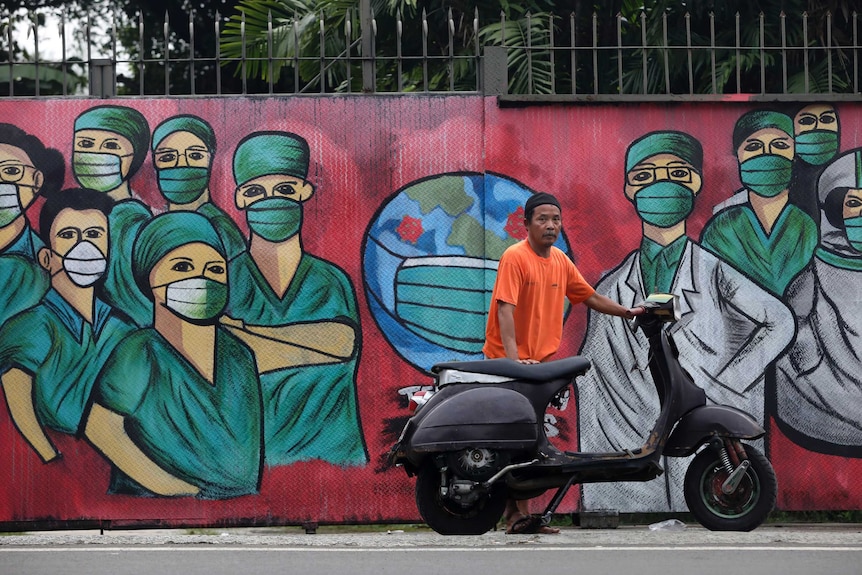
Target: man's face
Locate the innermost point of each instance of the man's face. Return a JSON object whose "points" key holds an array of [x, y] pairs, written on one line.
{"points": [[662, 168], [17, 169], [766, 141], [272, 186], [545, 224], [816, 117]]}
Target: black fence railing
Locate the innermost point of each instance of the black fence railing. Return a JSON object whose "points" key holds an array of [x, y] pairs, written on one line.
{"points": [[533, 57]]}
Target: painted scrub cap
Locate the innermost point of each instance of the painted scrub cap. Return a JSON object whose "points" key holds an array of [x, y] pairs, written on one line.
{"points": [[266, 153], [679, 144], [751, 122], [121, 120], [167, 232], [191, 124]]}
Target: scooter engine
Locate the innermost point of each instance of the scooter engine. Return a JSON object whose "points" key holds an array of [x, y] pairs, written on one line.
{"points": [[477, 463]]}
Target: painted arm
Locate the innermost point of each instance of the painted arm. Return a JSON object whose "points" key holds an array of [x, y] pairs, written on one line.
{"points": [[106, 430], [298, 344], [18, 387]]}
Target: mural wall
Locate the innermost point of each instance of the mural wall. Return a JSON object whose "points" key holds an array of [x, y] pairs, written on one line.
{"points": [[213, 310]]}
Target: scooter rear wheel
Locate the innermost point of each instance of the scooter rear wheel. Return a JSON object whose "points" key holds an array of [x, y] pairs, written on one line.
{"points": [[744, 509], [449, 517]]}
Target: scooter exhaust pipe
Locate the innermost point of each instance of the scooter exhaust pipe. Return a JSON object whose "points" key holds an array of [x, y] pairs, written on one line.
{"points": [[506, 470]]}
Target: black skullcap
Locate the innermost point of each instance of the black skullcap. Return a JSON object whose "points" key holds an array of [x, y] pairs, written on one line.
{"points": [[539, 199]]}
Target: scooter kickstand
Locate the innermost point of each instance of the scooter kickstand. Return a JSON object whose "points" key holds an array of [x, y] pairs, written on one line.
{"points": [[555, 502], [732, 482]]}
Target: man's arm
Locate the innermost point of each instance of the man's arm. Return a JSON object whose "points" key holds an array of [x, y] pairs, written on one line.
{"points": [[604, 304], [18, 387]]}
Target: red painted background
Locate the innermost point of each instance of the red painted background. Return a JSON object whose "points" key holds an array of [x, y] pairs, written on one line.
{"points": [[364, 149]]}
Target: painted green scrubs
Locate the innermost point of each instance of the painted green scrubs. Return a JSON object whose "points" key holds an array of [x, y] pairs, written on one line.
{"points": [[736, 236], [23, 279], [659, 263], [228, 232], [206, 434], [310, 411], [63, 353], [119, 289]]}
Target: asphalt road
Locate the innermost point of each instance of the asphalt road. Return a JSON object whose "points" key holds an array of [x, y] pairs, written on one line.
{"points": [[774, 549]]}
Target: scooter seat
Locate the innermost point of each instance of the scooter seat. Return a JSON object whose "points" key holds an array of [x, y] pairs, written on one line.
{"points": [[568, 367]]}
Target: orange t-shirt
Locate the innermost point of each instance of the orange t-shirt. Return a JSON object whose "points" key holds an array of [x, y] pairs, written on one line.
{"points": [[538, 288]]}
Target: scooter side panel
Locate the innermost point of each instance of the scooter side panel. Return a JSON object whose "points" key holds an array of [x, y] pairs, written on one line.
{"points": [[490, 417], [702, 423]]}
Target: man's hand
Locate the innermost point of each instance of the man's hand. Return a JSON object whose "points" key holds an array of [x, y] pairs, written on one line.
{"points": [[634, 312]]}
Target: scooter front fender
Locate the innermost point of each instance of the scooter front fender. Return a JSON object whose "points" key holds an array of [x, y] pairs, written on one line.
{"points": [[491, 417], [701, 424]]}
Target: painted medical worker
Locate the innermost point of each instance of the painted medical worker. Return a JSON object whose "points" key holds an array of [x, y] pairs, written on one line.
{"points": [[50, 354], [767, 238], [110, 144], [296, 311], [729, 327], [27, 169], [178, 405], [818, 388], [183, 150]]}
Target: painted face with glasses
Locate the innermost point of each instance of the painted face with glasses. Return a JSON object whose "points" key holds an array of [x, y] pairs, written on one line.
{"points": [[20, 183], [663, 188], [182, 162]]}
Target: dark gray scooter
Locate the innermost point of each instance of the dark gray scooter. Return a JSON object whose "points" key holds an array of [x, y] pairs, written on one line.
{"points": [[480, 440]]}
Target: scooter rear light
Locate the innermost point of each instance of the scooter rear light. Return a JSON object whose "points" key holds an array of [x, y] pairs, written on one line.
{"points": [[419, 399]]}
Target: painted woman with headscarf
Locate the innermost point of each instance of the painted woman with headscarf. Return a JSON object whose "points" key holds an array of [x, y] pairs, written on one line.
{"points": [[767, 237], [183, 150], [110, 144], [818, 384], [297, 311], [178, 405], [729, 327]]}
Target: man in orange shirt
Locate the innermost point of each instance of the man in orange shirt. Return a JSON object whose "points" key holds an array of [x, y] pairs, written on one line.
{"points": [[525, 322]]}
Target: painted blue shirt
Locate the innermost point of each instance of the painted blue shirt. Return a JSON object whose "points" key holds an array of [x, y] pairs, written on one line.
{"points": [[119, 288], [24, 281]]}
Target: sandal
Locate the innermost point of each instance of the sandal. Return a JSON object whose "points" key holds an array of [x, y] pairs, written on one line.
{"points": [[529, 524]]}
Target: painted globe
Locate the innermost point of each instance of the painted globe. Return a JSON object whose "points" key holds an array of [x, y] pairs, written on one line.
{"points": [[430, 258]]}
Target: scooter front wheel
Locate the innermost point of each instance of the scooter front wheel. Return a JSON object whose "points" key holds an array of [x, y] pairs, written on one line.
{"points": [[447, 516], [742, 510]]}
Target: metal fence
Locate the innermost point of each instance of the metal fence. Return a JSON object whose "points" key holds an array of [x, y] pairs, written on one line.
{"points": [[540, 56]]}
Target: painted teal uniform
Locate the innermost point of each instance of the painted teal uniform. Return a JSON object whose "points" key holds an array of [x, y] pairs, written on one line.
{"points": [[119, 289], [660, 263], [63, 353], [24, 280], [228, 231], [310, 411], [736, 236], [206, 434]]}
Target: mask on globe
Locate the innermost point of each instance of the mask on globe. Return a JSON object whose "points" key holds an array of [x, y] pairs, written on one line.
{"points": [[274, 219], [97, 171], [183, 184], [445, 299], [10, 206], [84, 264], [766, 175], [664, 204], [853, 229], [198, 299], [817, 146]]}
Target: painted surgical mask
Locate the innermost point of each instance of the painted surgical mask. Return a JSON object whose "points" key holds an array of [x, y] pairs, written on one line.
{"points": [[198, 299], [183, 184], [853, 229], [664, 204], [84, 264], [10, 205], [766, 175], [98, 171], [275, 219], [437, 299], [817, 146]]}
